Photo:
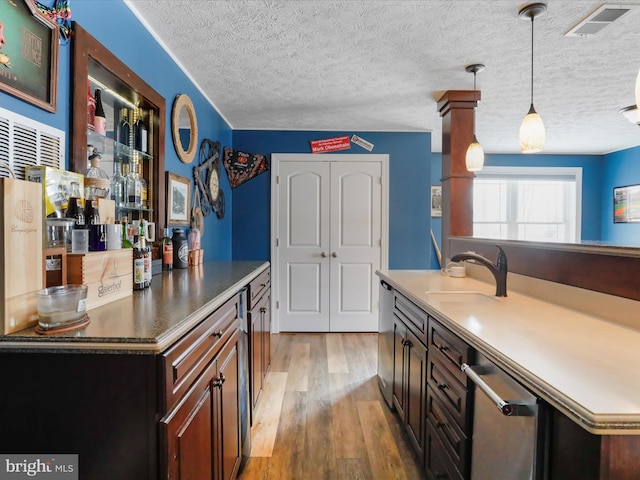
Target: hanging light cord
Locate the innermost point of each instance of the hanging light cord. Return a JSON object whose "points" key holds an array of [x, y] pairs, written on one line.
{"points": [[532, 60], [474, 107]]}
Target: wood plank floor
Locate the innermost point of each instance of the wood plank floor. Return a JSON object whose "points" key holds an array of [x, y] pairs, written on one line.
{"points": [[321, 415]]}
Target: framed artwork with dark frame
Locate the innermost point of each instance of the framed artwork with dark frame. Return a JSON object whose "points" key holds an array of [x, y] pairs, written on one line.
{"points": [[626, 204], [178, 195], [28, 54]]}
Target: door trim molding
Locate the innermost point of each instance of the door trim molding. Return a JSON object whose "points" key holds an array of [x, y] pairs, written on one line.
{"points": [[276, 159]]}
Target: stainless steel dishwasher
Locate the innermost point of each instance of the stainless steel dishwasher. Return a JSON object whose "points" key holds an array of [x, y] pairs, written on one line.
{"points": [[509, 426], [385, 342]]}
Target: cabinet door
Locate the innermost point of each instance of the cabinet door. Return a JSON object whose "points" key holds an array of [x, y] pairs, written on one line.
{"points": [[266, 335], [228, 414], [416, 389], [188, 432], [399, 334], [255, 347]]}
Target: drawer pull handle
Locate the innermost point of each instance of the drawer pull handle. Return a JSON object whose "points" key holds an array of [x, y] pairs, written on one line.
{"points": [[218, 333], [219, 381], [443, 348], [442, 387], [263, 310], [441, 425]]}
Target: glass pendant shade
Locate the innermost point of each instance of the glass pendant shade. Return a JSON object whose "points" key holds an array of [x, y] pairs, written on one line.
{"points": [[638, 90], [475, 156], [532, 133]]}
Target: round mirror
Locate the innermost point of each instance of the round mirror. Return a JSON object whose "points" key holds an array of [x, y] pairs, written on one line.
{"points": [[184, 128]]}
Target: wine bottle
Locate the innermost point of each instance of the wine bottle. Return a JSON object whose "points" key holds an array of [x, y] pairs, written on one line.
{"points": [[99, 120], [91, 213], [91, 107], [167, 251], [140, 134], [138, 265], [123, 131], [118, 186], [74, 209]]}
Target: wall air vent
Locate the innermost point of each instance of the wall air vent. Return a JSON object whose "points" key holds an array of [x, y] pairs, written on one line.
{"points": [[25, 142], [599, 19]]}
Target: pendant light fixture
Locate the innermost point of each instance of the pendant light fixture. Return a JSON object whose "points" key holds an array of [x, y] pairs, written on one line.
{"points": [[475, 154], [532, 129]]}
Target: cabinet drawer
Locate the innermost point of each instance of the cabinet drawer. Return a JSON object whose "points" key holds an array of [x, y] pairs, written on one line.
{"points": [[415, 319], [184, 361], [453, 438], [454, 396], [438, 464], [450, 350], [258, 286]]}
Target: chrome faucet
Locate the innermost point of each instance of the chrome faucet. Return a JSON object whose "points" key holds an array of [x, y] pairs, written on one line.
{"points": [[499, 270]]}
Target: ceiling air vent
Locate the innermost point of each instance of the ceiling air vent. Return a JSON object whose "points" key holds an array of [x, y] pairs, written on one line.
{"points": [[597, 20]]}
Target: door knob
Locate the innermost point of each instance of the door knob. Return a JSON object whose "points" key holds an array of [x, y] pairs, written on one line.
{"points": [[324, 254], [334, 254]]}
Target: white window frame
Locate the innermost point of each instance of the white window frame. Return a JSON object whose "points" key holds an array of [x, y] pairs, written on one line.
{"points": [[560, 172]]}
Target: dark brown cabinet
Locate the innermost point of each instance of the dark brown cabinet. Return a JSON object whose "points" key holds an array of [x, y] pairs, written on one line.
{"points": [[449, 409], [259, 309], [201, 433], [409, 378]]}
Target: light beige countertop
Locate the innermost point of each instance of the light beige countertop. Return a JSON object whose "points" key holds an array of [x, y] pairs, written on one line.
{"points": [[584, 366], [150, 320]]}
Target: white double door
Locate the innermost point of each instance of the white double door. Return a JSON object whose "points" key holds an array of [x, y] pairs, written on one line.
{"points": [[330, 220]]}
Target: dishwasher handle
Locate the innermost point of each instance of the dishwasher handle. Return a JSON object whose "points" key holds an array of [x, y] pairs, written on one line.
{"points": [[509, 408]]}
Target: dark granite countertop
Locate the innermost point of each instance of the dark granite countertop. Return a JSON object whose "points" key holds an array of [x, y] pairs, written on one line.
{"points": [[150, 320]]}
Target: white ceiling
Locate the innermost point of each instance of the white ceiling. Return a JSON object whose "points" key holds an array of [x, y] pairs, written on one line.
{"points": [[381, 66]]}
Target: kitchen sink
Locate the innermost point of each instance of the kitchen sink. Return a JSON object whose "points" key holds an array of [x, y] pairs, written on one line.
{"points": [[460, 296]]}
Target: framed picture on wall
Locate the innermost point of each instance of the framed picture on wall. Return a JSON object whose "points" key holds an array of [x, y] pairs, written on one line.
{"points": [[28, 54], [626, 204], [436, 200], [178, 195]]}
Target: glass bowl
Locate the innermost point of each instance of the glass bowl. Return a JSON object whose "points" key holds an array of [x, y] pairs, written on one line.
{"points": [[61, 305]]}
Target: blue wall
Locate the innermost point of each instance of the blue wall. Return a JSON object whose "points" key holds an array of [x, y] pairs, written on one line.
{"points": [[118, 29], [409, 180], [620, 169]]}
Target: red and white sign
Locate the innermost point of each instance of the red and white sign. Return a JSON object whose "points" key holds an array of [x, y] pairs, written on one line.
{"points": [[330, 145]]}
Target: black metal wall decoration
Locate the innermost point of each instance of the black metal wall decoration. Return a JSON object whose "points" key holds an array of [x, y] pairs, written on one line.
{"points": [[207, 178], [243, 166]]}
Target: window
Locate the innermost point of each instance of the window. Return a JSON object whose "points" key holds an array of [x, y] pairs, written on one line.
{"points": [[528, 203]]}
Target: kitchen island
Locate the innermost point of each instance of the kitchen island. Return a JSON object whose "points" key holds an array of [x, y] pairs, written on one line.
{"points": [[112, 391], [581, 365]]}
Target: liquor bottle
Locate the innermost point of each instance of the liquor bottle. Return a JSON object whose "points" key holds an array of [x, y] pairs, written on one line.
{"points": [[133, 188], [74, 209], [144, 202], [167, 251], [91, 213], [140, 134], [99, 120], [138, 265], [91, 107], [118, 186], [96, 180]]}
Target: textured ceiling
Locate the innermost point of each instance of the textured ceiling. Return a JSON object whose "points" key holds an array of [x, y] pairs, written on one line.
{"points": [[381, 66]]}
